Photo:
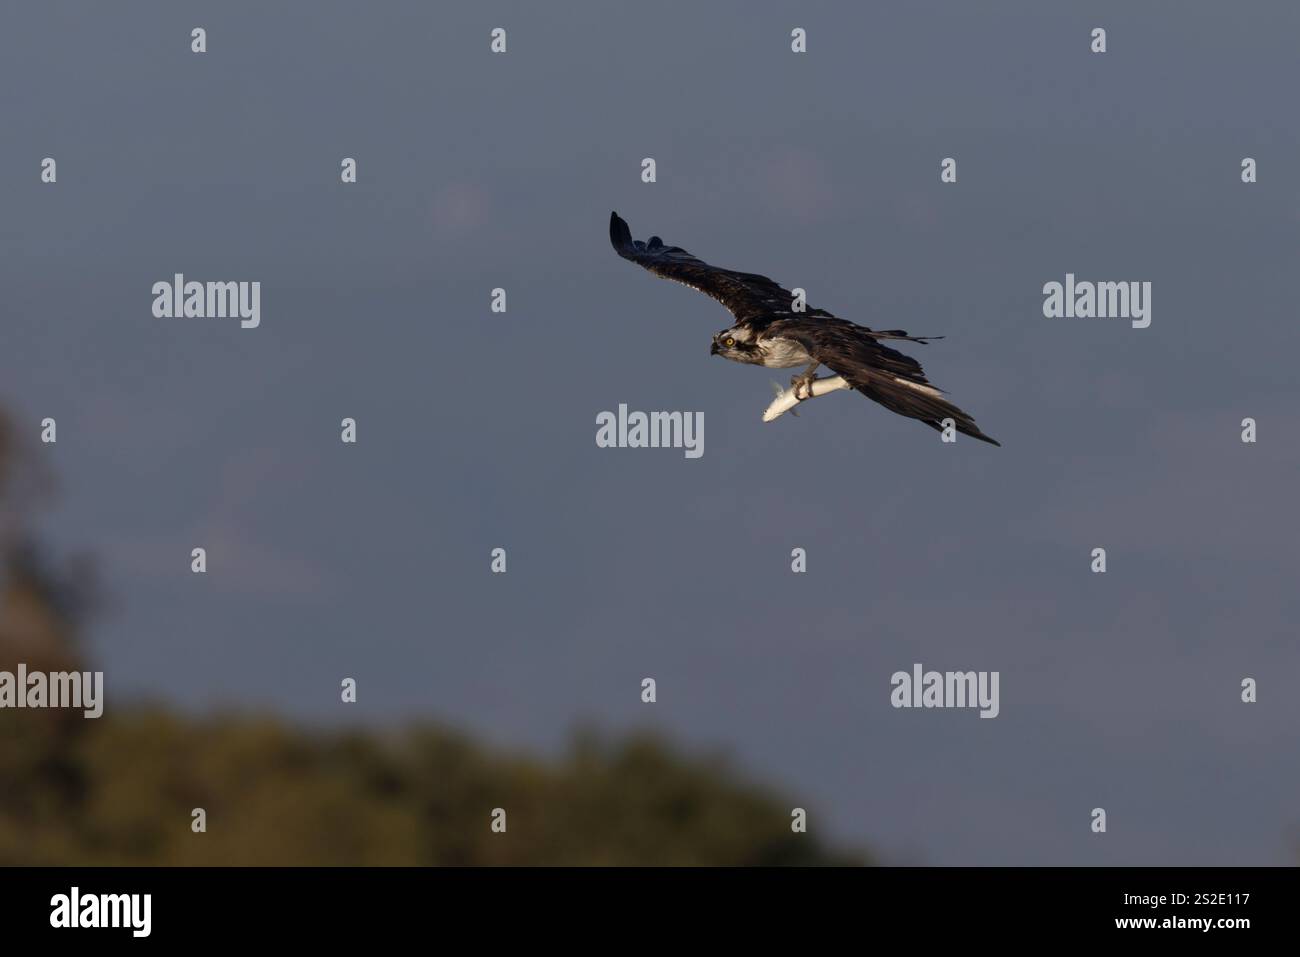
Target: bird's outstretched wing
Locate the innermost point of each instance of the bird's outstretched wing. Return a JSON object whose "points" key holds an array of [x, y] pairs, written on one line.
{"points": [[749, 297], [880, 373]]}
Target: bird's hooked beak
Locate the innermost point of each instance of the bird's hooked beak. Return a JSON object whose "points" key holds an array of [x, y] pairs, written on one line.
{"points": [[713, 349]]}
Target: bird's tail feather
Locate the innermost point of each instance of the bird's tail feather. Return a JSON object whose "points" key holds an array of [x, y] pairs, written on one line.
{"points": [[931, 409]]}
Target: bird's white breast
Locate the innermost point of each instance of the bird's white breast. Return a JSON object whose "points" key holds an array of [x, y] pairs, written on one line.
{"points": [[781, 353]]}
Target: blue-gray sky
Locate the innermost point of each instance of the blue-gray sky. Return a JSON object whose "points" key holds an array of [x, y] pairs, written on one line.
{"points": [[477, 430]]}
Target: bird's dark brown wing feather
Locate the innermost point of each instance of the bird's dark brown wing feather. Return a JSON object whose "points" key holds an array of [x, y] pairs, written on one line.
{"points": [[875, 370], [751, 298]]}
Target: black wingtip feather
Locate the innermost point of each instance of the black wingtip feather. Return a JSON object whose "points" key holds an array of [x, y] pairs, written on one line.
{"points": [[902, 334], [620, 236]]}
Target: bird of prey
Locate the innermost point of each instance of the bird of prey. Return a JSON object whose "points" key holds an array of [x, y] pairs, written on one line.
{"points": [[768, 331]]}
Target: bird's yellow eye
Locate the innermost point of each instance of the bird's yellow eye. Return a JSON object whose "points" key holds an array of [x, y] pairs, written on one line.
{"points": [[729, 342]]}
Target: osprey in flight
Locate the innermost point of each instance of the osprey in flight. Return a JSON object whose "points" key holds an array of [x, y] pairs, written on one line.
{"points": [[769, 332]]}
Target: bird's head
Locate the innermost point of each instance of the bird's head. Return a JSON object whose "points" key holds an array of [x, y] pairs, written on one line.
{"points": [[736, 343]]}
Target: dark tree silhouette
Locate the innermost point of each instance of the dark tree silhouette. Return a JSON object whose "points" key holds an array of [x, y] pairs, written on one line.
{"points": [[121, 789]]}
